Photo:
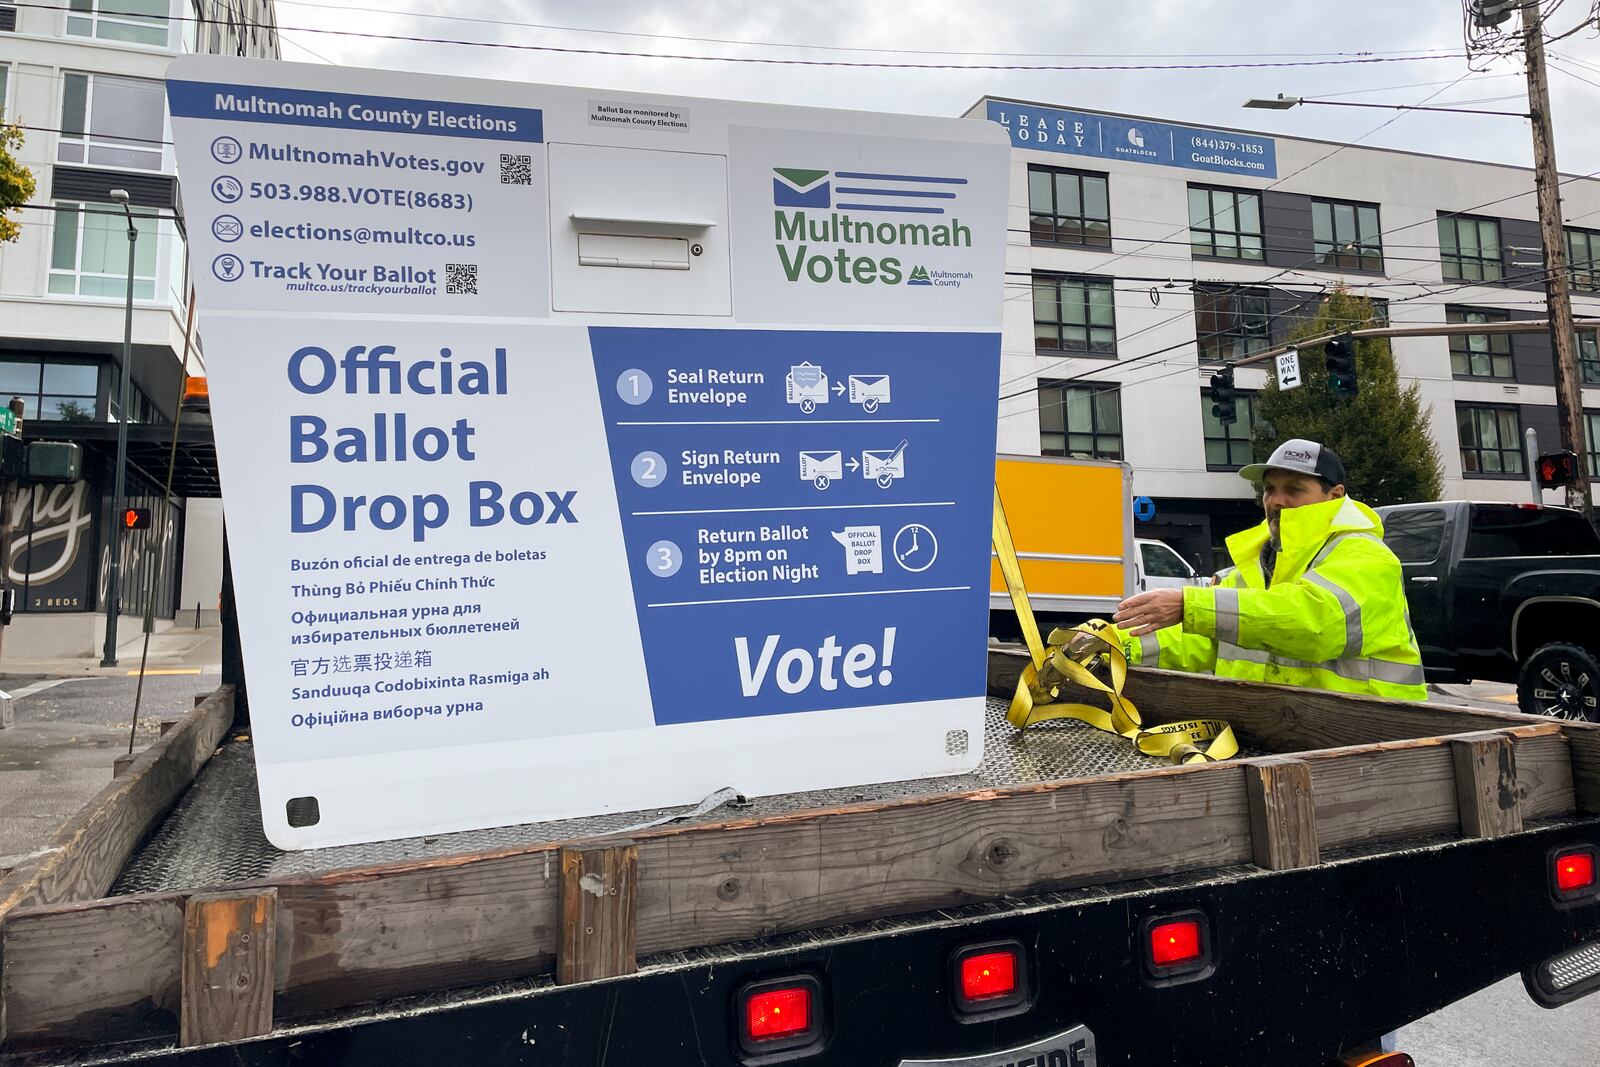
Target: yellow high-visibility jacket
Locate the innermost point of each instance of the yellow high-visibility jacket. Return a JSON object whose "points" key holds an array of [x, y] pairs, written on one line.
{"points": [[1334, 616]]}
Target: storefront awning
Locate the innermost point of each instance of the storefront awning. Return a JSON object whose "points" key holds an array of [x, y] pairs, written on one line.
{"points": [[149, 448]]}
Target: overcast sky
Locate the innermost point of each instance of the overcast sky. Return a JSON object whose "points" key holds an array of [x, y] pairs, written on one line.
{"points": [[1066, 31]]}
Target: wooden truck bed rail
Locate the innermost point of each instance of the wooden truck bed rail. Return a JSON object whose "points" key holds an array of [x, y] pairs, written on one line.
{"points": [[1351, 771]]}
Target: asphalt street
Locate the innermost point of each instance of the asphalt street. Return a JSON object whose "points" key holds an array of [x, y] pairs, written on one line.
{"points": [[59, 753]]}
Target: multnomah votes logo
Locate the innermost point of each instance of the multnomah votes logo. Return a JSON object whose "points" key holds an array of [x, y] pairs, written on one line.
{"points": [[856, 216], [801, 188]]}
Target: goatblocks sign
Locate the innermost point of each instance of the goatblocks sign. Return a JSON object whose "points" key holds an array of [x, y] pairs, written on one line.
{"points": [[1079, 133], [575, 466]]}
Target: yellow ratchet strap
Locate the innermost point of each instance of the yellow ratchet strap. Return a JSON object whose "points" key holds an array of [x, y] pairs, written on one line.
{"points": [[1082, 655]]}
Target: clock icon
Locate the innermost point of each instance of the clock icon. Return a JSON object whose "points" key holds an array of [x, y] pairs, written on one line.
{"points": [[915, 547]]}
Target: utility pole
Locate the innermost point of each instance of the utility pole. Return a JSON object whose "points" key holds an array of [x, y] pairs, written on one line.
{"points": [[1557, 284]]}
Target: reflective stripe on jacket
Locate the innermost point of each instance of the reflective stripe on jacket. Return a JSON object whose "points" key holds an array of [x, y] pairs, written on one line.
{"points": [[1334, 616]]}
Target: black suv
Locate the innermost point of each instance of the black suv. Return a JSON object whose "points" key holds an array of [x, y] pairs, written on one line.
{"points": [[1507, 593]]}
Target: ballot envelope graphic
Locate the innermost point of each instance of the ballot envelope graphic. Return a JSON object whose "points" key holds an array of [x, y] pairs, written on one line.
{"points": [[821, 465], [869, 390], [884, 465], [806, 385]]}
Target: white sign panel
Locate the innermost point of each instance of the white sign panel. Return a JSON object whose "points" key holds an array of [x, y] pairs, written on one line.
{"points": [[579, 457], [1289, 370]]}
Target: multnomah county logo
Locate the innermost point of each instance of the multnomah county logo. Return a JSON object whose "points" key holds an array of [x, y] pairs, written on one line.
{"points": [[839, 210]]}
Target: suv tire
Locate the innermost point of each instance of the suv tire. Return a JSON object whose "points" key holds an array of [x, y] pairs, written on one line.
{"points": [[1561, 681]]}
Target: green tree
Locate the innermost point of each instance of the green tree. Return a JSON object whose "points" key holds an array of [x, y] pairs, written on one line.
{"points": [[1381, 433], [16, 182]]}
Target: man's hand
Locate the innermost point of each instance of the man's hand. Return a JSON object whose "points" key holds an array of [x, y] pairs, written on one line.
{"points": [[1148, 612]]}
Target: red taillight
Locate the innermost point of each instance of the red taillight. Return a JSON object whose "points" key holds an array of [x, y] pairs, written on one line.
{"points": [[1574, 871], [990, 981], [989, 976], [1175, 942], [776, 1013], [1178, 947]]}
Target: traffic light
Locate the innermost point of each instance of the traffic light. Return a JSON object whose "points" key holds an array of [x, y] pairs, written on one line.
{"points": [[1557, 469], [1340, 356], [135, 518], [1224, 398]]}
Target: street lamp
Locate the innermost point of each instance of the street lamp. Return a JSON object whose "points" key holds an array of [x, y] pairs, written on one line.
{"points": [[108, 657], [1284, 103]]}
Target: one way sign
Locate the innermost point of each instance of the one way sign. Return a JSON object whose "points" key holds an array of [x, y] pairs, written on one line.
{"points": [[1289, 370]]}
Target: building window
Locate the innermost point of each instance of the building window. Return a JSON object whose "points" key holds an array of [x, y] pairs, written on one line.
{"points": [[1491, 440], [194, 26], [1225, 223], [1068, 207], [1479, 355], [51, 391], [89, 253], [134, 21], [1469, 248], [1588, 357], [111, 122], [1591, 441], [140, 407], [1583, 259], [1345, 236], [1084, 422], [1074, 314], [1230, 323], [1228, 446], [5, 72]]}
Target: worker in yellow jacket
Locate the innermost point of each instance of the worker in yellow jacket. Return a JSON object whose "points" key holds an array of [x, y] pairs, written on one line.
{"points": [[1314, 597]]}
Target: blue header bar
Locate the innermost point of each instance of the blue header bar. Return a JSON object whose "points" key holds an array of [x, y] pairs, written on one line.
{"points": [[1048, 129], [353, 111]]}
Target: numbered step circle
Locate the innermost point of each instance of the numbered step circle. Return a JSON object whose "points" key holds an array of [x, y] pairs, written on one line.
{"points": [[634, 386], [649, 469], [664, 558]]}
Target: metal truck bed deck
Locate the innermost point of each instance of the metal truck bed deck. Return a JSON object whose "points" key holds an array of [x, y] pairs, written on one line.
{"points": [[213, 837]]}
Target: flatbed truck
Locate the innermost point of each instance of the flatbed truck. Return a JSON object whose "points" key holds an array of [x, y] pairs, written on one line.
{"points": [[1362, 863]]}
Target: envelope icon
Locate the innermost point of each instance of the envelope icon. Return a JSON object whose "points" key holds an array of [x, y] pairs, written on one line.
{"points": [[796, 187], [227, 228], [870, 389], [806, 385], [884, 466], [815, 465]]}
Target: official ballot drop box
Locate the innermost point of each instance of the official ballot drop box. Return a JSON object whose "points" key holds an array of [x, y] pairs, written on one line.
{"points": [[588, 451]]}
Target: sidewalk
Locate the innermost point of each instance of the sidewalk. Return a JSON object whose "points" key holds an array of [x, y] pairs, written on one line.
{"points": [[178, 650]]}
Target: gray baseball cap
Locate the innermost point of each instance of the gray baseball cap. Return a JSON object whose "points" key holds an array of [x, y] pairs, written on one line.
{"points": [[1302, 457]]}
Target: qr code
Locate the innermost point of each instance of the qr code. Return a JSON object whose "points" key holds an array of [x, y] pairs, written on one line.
{"points": [[516, 170], [461, 278]]}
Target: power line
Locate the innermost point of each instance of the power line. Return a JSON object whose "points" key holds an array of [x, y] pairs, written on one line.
{"points": [[1199, 363], [835, 48], [791, 62], [1410, 85]]}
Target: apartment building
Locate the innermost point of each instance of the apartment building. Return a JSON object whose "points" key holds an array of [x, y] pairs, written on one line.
{"points": [[85, 80], [1143, 253]]}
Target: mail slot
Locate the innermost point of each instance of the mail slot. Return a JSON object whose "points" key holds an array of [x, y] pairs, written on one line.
{"points": [[640, 253], [638, 231]]}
